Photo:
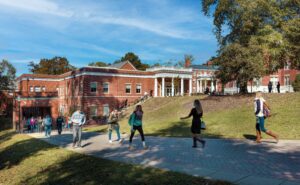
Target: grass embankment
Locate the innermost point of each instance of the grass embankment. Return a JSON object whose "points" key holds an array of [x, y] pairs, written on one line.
{"points": [[25, 160], [225, 117]]}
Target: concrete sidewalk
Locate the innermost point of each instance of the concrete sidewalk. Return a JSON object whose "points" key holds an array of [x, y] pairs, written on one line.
{"points": [[238, 161]]}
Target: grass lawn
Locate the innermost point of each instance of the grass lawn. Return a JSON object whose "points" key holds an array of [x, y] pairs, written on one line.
{"points": [[225, 117], [25, 160]]}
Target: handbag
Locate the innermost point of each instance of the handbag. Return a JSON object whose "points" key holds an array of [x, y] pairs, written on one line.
{"points": [[266, 111], [203, 125]]}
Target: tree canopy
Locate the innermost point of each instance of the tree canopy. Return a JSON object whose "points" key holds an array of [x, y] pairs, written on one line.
{"points": [[135, 60], [98, 64], [267, 29], [7, 75], [53, 66]]}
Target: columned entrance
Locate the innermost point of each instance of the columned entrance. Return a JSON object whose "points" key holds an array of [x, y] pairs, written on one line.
{"points": [[168, 86]]}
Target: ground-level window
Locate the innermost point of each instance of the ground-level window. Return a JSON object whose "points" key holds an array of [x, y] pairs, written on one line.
{"points": [[93, 86], [128, 88], [105, 110], [31, 89], [37, 89], [138, 88], [93, 110], [105, 87]]}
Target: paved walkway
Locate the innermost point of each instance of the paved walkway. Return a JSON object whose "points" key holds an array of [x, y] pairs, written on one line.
{"points": [[238, 161]]}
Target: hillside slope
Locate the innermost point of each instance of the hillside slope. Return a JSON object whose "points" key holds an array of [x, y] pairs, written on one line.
{"points": [[225, 117]]}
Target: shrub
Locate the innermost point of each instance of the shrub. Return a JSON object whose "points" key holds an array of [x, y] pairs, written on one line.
{"points": [[296, 83]]}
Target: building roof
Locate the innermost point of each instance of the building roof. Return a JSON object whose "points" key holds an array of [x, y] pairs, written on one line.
{"points": [[121, 64], [208, 67]]}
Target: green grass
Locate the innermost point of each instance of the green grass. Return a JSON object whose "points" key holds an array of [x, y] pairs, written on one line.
{"points": [[25, 160], [225, 117]]}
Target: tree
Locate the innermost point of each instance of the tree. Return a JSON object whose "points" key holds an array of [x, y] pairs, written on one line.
{"points": [[7, 75], [135, 61], [54, 66], [296, 83], [98, 64], [254, 25]]}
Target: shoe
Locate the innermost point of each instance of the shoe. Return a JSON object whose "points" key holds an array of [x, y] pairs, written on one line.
{"points": [[146, 147], [203, 144], [276, 138], [120, 140], [110, 141], [79, 146], [194, 146], [258, 141]]}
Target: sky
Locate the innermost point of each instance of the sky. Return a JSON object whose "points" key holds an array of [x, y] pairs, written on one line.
{"points": [[87, 31]]}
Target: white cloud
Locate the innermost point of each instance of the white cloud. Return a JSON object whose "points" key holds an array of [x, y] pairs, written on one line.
{"points": [[38, 6]]}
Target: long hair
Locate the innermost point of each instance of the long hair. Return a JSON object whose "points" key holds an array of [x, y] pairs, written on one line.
{"points": [[198, 106], [138, 107]]}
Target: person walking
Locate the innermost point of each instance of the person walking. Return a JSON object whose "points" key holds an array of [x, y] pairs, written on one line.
{"points": [[47, 125], [136, 123], [39, 124], [113, 124], [78, 120], [197, 113], [32, 124], [259, 104], [59, 124], [270, 86], [278, 87]]}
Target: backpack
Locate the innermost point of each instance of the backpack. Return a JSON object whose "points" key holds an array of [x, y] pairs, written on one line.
{"points": [[131, 119], [266, 111]]}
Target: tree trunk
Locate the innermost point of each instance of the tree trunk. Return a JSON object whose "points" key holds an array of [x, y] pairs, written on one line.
{"points": [[243, 88]]}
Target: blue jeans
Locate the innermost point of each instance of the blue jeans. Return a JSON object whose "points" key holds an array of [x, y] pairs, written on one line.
{"points": [[261, 122], [116, 127], [47, 130]]}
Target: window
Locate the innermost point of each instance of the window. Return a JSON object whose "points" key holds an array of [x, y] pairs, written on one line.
{"points": [[44, 89], [31, 89], [138, 88], [93, 111], [105, 87], [128, 88], [105, 110], [37, 89], [93, 86]]}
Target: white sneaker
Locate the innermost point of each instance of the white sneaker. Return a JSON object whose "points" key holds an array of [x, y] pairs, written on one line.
{"points": [[110, 141], [120, 140]]}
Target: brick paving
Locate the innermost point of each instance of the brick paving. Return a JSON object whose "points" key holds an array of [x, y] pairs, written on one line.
{"points": [[238, 161]]}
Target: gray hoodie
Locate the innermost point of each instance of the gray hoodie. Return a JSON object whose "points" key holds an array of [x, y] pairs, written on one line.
{"points": [[78, 117]]}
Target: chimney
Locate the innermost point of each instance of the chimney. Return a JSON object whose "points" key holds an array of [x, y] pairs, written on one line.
{"points": [[187, 62]]}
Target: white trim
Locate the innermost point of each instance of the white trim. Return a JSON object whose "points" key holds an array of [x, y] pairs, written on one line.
{"points": [[130, 64], [172, 75]]}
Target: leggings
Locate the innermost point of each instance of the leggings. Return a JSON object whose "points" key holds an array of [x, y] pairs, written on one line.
{"points": [[140, 129]]}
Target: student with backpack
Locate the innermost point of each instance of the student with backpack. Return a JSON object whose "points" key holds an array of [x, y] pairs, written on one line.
{"points": [[197, 113], [262, 111], [136, 123], [113, 124], [47, 124], [59, 123]]}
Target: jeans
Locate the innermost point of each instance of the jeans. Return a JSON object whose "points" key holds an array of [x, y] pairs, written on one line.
{"points": [[117, 129], [59, 128], [261, 123], [77, 134], [47, 130]]}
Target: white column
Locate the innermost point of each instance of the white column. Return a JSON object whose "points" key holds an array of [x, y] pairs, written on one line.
{"points": [[212, 86], [205, 84], [201, 90], [172, 86], [197, 86], [190, 86], [163, 87], [155, 87], [181, 86]]}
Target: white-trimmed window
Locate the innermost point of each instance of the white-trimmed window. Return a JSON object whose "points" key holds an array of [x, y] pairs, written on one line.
{"points": [[105, 87], [93, 110], [138, 89], [93, 87], [105, 110], [37, 89], [31, 89], [127, 88], [44, 89]]}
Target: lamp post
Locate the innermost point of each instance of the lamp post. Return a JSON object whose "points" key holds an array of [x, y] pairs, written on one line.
{"points": [[19, 102]]}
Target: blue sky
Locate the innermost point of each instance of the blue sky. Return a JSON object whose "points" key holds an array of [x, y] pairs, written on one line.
{"points": [[104, 30]]}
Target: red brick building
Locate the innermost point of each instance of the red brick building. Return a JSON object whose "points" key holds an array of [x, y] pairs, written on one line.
{"points": [[99, 89]]}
